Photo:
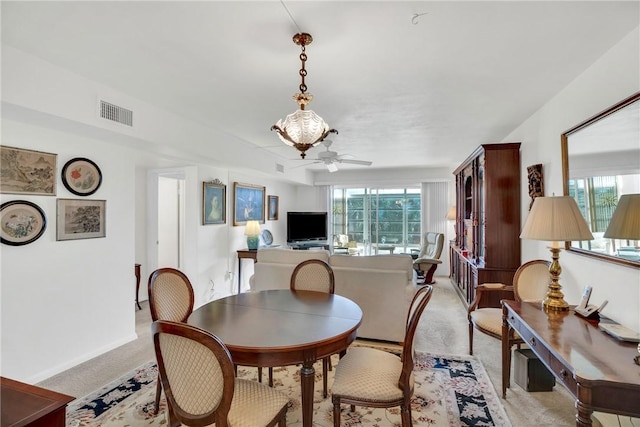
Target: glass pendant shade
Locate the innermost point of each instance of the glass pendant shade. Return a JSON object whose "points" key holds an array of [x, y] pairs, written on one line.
{"points": [[302, 127]]}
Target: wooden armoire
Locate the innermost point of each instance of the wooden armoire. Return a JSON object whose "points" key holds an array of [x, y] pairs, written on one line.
{"points": [[487, 244]]}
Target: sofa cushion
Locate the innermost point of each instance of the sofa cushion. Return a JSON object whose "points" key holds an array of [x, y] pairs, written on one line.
{"points": [[375, 262], [290, 256]]}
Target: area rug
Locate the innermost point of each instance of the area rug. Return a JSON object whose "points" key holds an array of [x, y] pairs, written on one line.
{"points": [[449, 391]]}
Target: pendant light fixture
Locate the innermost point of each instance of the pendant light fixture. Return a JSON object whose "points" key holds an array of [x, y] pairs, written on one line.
{"points": [[302, 129]]}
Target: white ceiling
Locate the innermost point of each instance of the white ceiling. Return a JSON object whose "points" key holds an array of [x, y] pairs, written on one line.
{"points": [[418, 83]]}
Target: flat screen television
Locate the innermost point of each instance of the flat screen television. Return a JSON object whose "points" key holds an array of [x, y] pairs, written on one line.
{"points": [[306, 226]]}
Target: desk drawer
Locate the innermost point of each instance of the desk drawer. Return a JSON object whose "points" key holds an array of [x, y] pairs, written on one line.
{"points": [[564, 375], [529, 339]]}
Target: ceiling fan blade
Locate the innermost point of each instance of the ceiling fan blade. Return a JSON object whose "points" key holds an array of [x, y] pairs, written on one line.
{"points": [[356, 162], [305, 164]]}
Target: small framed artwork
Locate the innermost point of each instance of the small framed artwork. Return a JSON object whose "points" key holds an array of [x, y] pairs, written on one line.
{"points": [[27, 172], [248, 203], [214, 202], [22, 222], [81, 219], [81, 176], [273, 208], [536, 182]]}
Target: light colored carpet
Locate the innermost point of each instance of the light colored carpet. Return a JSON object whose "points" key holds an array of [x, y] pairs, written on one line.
{"points": [[443, 330]]}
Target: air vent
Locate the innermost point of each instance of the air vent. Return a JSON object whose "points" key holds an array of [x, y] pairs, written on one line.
{"points": [[115, 113], [279, 168]]}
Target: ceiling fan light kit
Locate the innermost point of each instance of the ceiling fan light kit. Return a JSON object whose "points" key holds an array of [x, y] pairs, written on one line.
{"points": [[302, 129]]}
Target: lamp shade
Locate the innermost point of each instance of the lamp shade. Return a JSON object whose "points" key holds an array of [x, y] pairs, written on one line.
{"points": [[625, 222], [451, 213], [302, 127], [252, 228], [555, 219]]}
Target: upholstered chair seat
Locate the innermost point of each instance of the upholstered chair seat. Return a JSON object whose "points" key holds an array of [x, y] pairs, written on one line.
{"points": [[357, 378], [530, 283]]}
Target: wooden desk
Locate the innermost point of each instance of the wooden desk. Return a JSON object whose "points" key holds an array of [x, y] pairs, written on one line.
{"points": [[27, 405], [597, 369], [279, 327], [242, 254]]}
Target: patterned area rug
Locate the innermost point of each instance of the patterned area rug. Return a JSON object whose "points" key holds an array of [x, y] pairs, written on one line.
{"points": [[449, 391]]}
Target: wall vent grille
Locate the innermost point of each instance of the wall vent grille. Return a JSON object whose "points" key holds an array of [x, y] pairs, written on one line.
{"points": [[115, 113]]}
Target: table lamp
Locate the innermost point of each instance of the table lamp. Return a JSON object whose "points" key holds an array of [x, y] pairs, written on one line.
{"points": [[625, 222], [252, 231], [555, 219]]}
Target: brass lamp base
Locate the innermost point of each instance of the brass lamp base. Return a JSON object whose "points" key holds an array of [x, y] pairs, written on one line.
{"points": [[554, 300]]}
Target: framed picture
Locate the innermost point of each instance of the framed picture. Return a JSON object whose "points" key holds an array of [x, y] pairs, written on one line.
{"points": [[273, 208], [248, 203], [21, 222], [214, 202], [81, 219], [27, 171], [81, 176]]}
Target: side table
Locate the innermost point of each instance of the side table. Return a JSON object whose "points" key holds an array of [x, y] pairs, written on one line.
{"points": [[242, 254], [27, 405], [137, 272]]}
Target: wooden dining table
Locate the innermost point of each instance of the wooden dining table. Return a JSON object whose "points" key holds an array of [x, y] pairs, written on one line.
{"points": [[280, 327]]}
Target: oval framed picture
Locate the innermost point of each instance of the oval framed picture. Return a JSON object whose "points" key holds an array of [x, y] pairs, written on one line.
{"points": [[21, 222], [81, 176]]}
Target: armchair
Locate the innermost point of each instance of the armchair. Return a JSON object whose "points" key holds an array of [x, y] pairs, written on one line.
{"points": [[429, 256]]}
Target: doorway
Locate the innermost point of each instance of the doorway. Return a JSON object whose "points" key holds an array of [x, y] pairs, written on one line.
{"points": [[171, 211]]}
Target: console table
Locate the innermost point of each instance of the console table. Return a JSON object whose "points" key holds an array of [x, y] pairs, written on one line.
{"points": [[27, 405], [242, 254], [597, 369]]}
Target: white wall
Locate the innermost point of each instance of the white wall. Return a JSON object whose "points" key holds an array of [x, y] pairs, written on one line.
{"points": [[612, 78], [66, 301]]}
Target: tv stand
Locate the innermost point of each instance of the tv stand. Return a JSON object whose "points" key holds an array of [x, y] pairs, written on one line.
{"points": [[307, 245]]}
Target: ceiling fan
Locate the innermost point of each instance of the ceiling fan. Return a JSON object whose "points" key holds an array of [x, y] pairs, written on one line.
{"points": [[331, 159]]}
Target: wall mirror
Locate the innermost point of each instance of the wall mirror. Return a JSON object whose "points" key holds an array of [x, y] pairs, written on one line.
{"points": [[600, 163]]}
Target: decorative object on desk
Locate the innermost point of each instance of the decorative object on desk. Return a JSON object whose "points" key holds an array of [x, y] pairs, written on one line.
{"points": [[555, 219], [267, 237], [81, 219], [27, 171], [625, 224], [252, 231], [273, 208], [214, 202], [81, 176], [302, 129], [21, 222], [536, 182], [248, 203], [449, 391]]}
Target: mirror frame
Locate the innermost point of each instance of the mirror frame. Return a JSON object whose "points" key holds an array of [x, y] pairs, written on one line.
{"points": [[564, 139]]}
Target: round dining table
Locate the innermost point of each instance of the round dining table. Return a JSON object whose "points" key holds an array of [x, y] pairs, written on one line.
{"points": [[281, 327]]}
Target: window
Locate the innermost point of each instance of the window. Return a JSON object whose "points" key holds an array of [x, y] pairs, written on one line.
{"points": [[378, 220]]}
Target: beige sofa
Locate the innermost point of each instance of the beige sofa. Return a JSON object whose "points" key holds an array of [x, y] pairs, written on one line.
{"points": [[382, 285]]}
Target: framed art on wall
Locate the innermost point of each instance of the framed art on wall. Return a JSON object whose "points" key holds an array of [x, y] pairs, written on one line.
{"points": [[22, 222], [273, 208], [214, 202], [81, 176], [81, 219], [27, 172], [248, 203]]}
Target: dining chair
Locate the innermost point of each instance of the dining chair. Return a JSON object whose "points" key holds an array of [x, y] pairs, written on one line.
{"points": [[200, 385], [530, 283], [170, 298], [372, 377]]}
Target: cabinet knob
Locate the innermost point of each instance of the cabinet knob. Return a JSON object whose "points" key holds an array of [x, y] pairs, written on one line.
{"points": [[533, 342], [563, 373]]}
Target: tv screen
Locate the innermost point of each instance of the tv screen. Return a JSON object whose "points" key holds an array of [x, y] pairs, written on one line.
{"points": [[303, 226]]}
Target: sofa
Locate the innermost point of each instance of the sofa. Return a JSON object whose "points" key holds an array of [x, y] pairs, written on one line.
{"points": [[382, 285]]}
